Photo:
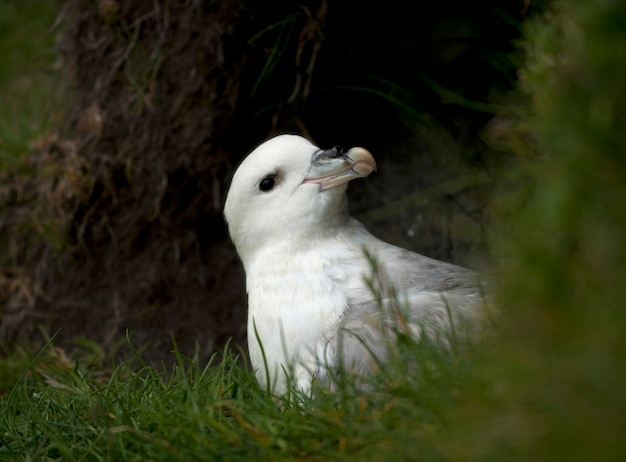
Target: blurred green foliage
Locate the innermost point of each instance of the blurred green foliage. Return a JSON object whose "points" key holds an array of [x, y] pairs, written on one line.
{"points": [[29, 94], [558, 376]]}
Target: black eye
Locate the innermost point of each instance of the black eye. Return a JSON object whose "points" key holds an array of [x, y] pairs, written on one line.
{"points": [[266, 184]]}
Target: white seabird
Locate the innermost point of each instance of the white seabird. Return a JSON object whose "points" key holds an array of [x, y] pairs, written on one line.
{"points": [[308, 263]]}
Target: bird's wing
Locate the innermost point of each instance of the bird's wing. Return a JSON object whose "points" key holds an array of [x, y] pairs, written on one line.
{"points": [[401, 292]]}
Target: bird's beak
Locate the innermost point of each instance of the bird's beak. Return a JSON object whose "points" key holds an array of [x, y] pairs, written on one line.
{"points": [[333, 167]]}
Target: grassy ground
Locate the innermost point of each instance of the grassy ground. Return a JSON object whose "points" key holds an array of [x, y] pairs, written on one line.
{"points": [[64, 409], [548, 385]]}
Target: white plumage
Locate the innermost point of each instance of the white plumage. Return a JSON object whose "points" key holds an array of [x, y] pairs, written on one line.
{"points": [[307, 263]]}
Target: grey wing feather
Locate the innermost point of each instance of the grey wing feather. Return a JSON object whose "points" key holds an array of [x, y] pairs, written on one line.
{"points": [[413, 293]]}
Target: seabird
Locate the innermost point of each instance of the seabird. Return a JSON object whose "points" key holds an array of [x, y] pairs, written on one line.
{"points": [[310, 268]]}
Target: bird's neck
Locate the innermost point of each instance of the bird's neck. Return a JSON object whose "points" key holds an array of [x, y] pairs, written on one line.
{"points": [[310, 233]]}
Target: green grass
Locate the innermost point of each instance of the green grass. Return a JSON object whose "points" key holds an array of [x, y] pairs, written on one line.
{"points": [[67, 410], [29, 91]]}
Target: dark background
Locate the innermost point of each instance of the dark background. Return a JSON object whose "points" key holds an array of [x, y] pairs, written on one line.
{"points": [[165, 98]]}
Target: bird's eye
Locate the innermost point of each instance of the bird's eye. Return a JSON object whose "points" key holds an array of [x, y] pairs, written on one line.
{"points": [[267, 184]]}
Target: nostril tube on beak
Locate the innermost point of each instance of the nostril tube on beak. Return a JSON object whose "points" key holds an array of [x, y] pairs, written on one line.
{"points": [[328, 154]]}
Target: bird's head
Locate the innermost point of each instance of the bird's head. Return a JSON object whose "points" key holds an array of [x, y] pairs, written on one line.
{"points": [[288, 189]]}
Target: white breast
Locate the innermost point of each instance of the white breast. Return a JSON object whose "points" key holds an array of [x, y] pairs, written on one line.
{"points": [[295, 302]]}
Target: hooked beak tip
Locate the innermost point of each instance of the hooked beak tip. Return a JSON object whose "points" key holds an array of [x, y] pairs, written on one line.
{"points": [[331, 171]]}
